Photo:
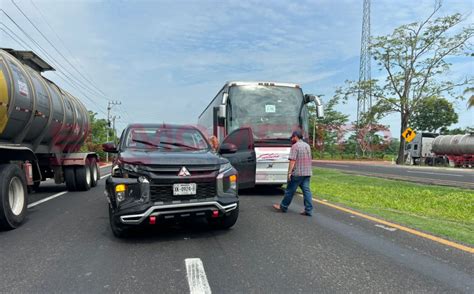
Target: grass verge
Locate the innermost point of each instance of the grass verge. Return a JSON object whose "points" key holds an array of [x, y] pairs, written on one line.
{"points": [[443, 211]]}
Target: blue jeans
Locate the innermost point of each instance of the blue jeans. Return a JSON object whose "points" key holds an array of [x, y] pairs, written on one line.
{"points": [[293, 184]]}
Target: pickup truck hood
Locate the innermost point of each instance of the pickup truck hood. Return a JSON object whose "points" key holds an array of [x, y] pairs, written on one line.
{"points": [[171, 158]]}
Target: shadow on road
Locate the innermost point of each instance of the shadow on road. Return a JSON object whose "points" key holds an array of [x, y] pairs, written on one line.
{"points": [[171, 231]]}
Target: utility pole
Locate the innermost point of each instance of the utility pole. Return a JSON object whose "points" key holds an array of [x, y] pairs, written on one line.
{"points": [[364, 96], [113, 127], [110, 104]]}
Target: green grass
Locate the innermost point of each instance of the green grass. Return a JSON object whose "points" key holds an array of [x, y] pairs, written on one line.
{"points": [[443, 211]]}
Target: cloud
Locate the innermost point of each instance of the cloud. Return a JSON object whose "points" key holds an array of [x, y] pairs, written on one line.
{"points": [[166, 59]]}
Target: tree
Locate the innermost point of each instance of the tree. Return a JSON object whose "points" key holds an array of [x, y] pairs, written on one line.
{"points": [[97, 135], [330, 127], [433, 113], [414, 58]]}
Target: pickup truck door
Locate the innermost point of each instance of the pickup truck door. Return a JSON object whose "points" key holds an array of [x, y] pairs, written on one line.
{"points": [[244, 159]]}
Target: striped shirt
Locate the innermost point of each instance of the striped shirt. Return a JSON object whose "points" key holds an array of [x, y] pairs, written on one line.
{"points": [[301, 153]]}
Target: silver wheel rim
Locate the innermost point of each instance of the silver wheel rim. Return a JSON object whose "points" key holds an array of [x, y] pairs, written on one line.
{"points": [[94, 172], [16, 196], [88, 176]]}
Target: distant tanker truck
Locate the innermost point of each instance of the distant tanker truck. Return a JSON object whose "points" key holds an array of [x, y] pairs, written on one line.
{"points": [[42, 128], [434, 149]]}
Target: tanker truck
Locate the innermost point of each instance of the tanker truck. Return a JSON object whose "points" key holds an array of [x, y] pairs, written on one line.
{"points": [[42, 128], [433, 149]]}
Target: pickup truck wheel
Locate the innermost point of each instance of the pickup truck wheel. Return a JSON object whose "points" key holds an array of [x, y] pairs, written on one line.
{"points": [[83, 177], [95, 175], [70, 178], [118, 229], [225, 222], [13, 199]]}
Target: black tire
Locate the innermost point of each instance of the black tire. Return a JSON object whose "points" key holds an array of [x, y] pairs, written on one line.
{"points": [[70, 178], [12, 187], [225, 222], [83, 177], [119, 230], [95, 172]]}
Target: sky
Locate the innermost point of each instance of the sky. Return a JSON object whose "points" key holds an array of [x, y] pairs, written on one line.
{"points": [[165, 60]]}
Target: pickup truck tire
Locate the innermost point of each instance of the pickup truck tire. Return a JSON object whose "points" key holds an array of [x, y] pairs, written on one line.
{"points": [[13, 201], [70, 178], [118, 229], [95, 174], [225, 222], [83, 177]]}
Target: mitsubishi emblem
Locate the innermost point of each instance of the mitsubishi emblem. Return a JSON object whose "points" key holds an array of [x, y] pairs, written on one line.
{"points": [[184, 172]]}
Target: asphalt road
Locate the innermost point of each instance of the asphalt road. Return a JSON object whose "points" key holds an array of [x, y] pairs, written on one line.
{"points": [[440, 176], [66, 246]]}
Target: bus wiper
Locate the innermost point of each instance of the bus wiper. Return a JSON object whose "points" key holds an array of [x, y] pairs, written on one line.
{"points": [[180, 145], [146, 143]]}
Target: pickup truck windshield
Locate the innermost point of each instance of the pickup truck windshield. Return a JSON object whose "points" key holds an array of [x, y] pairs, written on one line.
{"points": [[272, 112], [165, 139]]}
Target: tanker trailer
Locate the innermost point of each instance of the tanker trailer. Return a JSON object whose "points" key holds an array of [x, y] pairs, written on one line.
{"points": [[42, 128], [458, 149]]}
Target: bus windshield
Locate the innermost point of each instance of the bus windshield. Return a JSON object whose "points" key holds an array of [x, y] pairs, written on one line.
{"points": [[271, 111]]}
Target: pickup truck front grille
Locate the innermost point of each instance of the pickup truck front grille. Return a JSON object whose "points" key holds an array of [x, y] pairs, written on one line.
{"points": [[164, 192]]}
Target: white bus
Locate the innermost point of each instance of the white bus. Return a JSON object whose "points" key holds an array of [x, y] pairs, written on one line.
{"points": [[253, 122]]}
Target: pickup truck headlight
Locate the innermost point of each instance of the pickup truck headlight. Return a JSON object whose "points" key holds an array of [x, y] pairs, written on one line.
{"points": [[224, 167], [130, 167], [120, 191]]}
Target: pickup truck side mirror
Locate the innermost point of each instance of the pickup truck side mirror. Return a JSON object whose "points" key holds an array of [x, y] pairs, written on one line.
{"points": [[227, 148], [109, 147]]}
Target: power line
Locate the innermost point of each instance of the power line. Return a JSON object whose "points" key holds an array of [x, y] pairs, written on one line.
{"points": [[20, 42], [56, 49], [71, 82], [38, 10]]}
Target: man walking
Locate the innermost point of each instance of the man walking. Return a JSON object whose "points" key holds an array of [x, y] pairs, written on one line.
{"points": [[299, 175]]}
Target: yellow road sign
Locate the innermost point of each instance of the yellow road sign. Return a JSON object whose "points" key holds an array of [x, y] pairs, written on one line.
{"points": [[409, 135]]}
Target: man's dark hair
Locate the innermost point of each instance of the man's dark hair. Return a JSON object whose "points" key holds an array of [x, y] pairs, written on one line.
{"points": [[297, 134]]}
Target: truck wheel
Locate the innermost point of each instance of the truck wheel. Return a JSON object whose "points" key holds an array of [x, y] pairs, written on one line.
{"points": [[83, 177], [118, 229], [225, 222], [70, 178], [12, 196], [95, 174]]}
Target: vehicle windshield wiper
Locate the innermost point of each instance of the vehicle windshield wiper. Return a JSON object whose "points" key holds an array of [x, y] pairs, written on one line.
{"points": [[180, 145], [146, 143]]}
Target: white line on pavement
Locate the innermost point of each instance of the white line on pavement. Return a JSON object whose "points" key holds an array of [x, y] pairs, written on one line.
{"points": [[428, 173], [386, 228], [104, 176], [46, 199], [54, 196], [196, 275]]}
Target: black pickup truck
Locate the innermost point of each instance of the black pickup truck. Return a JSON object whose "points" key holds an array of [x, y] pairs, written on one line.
{"points": [[169, 172]]}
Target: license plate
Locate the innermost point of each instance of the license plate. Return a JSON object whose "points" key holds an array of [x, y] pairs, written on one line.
{"points": [[184, 189]]}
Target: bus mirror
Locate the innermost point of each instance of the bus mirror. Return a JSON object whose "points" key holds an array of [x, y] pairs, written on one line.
{"points": [[224, 98], [222, 111], [308, 98], [319, 106]]}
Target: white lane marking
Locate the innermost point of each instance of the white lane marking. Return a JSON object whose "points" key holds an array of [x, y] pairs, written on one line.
{"points": [[340, 165], [386, 228], [104, 176], [196, 275], [46, 199], [428, 173], [54, 196]]}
